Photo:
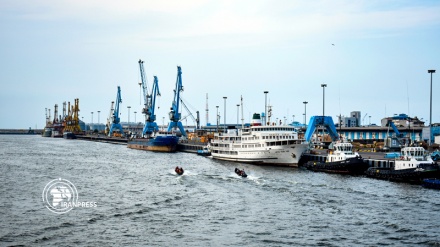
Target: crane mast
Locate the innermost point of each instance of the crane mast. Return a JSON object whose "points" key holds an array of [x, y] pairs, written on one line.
{"points": [[174, 113], [150, 126], [109, 118], [115, 118]]}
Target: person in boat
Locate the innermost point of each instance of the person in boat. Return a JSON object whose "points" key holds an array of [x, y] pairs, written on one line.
{"points": [[178, 170]]}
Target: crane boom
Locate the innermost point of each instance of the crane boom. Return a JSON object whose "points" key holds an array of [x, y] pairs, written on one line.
{"points": [[174, 113], [196, 120], [149, 103], [115, 118]]}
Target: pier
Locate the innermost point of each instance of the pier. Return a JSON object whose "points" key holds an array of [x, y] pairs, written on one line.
{"points": [[21, 131], [103, 138]]}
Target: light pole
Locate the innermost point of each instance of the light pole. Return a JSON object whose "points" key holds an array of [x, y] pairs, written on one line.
{"points": [[92, 123], [305, 112], [265, 107], [135, 123], [128, 107], [238, 108], [431, 71], [217, 117], [323, 98], [98, 121], [369, 121], [224, 117], [163, 123]]}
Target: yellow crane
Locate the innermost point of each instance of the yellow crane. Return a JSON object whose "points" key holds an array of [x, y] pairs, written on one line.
{"points": [[72, 119]]}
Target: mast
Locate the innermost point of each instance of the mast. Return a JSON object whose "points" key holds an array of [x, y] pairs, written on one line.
{"points": [[242, 119]]}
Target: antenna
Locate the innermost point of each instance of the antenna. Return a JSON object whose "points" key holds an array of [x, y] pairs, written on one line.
{"points": [[242, 119]]}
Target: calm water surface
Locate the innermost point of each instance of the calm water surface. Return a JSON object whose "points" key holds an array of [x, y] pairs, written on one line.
{"points": [[141, 202]]}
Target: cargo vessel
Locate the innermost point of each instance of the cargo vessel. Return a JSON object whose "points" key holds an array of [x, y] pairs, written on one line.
{"points": [[163, 142]]}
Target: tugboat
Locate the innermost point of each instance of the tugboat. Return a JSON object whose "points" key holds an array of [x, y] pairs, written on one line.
{"points": [[413, 165], [240, 173], [340, 159]]}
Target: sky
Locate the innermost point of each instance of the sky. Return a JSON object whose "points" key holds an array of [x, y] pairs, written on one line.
{"points": [[372, 54]]}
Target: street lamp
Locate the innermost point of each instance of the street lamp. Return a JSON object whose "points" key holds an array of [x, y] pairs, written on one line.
{"points": [[265, 107], [135, 123], [98, 118], [224, 117], [217, 117], [431, 71], [128, 107], [323, 98], [305, 112], [238, 108], [92, 122]]}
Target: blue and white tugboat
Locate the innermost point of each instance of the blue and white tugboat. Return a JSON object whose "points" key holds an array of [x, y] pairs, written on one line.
{"points": [[413, 165], [340, 159]]}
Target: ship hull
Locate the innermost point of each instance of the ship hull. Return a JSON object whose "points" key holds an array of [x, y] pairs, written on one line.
{"points": [[47, 132], [288, 155], [157, 144], [353, 166], [414, 175]]}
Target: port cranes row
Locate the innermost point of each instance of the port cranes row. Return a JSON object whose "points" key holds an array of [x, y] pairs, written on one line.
{"points": [[150, 126]]}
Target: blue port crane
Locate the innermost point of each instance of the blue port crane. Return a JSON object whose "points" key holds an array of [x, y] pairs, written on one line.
{"points": [[150, 126], [325, 121], [115, 118], [174, 114]]}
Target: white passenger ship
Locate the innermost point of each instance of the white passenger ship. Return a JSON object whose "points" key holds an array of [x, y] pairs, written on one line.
{"points": [[266, 145]]}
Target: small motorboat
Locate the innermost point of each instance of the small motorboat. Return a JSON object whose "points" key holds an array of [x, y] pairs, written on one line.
{"points": [[204, 151], [179, 170], [240, 173]]}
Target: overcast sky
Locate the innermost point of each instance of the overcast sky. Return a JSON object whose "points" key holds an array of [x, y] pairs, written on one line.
{"points": [[373, 56]]}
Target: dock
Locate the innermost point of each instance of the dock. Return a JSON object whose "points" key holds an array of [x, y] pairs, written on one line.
{"points": [[103, 138], [21, 131]]}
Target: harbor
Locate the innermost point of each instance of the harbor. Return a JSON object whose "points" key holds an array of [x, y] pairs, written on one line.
{"points": [[406, 142], [220, 123]]}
